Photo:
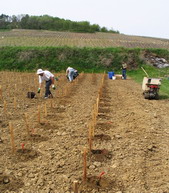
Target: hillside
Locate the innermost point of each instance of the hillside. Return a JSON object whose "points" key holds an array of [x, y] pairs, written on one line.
{"points": [[52, 38]]}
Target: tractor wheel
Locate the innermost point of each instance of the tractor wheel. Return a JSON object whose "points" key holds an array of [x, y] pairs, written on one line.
{"points": [[146, 96], [157, 96]]}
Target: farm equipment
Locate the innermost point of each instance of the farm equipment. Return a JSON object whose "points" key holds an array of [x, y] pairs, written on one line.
{"points": [[151, 87]]}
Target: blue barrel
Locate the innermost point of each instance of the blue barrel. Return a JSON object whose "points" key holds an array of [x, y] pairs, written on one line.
{"points": [[110, 75]]}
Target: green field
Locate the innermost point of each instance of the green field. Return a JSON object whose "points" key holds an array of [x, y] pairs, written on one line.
{"points": [[41, 38]]}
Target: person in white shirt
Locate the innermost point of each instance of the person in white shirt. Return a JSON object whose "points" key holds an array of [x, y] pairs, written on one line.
{"points": [[70, 72], [49, 78]]}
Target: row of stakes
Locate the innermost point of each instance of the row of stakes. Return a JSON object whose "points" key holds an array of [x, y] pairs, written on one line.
{"points": [[91, 128], [66, 91], [62, 93]]}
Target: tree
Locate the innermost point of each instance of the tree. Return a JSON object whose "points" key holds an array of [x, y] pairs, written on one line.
{"points": [[24, 22], [4, 21], [47, 22], [104, 29]]}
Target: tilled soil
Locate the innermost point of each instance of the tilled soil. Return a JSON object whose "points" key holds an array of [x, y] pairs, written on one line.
{"points": [[130, 146]]}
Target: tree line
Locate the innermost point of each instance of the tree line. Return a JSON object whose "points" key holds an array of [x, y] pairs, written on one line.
{"points": [[46, 22]]}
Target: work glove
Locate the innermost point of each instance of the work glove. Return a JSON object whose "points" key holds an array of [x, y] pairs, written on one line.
{"points": [[38, 90], [53, 87], [56, 78]]}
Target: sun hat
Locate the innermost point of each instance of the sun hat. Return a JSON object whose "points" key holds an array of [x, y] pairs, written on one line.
{"points": [[40, 71]]}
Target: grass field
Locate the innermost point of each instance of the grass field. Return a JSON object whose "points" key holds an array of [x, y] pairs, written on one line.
{"points": [[138, 75], [53, 38]]}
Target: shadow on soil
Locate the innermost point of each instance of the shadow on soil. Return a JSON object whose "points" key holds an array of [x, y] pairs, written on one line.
{"points": [[101, 155], [102, 137], [100, 184], [23, 155]]}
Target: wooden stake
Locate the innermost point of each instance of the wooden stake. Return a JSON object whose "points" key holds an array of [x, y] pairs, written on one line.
{"points": [[75, 186], [40, 93], [38, 114], [85, 165], [27, 125], [0, 92], [12, 137], [33, 130], [45, 108], [92, 129], [65, 91], [4, 106], [61, 92], [15, 102], [90, 136], [51, 103], [97, 105], [103, 78], [95, 113], [101, 91]]}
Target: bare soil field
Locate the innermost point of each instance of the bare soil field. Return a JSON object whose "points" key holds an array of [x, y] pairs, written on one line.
{"points": [[43, 142], [54, 38]]}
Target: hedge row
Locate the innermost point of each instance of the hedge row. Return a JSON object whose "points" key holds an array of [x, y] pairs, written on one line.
{"points": [[59, 58]]}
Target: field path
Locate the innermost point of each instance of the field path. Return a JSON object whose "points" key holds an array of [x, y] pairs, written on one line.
{"points": [[139, 134]]}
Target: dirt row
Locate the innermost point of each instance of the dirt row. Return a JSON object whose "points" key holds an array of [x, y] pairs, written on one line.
{"points": [[130, 146]]}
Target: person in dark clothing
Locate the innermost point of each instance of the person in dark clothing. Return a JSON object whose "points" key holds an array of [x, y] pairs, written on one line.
{"points": [[124, 71]]}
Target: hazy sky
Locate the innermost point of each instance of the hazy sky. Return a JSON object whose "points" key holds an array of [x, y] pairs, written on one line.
{"points": [[132, 17]]}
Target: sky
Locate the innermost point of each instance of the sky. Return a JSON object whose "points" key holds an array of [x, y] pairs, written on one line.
{"points": [[131, 17]]}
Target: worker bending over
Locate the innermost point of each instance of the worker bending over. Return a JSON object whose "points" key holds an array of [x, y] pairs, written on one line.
{"points": [[71, 73], [49, 78]]}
